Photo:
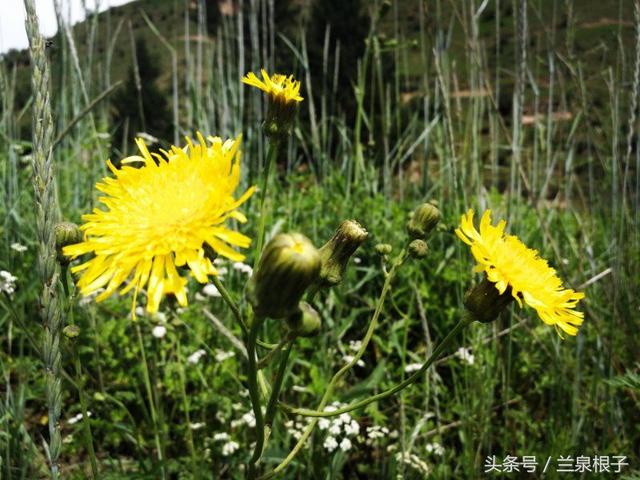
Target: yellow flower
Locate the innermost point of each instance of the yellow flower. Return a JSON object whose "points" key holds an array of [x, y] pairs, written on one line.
{"points": [[509, 264], [284, 94], [161, 216], [280, 88]]}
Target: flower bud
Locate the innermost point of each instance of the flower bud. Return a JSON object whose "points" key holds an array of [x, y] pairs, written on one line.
{"points": [[485, 303], [66, 233], [423, 220], [383, 248], [71, 331], [335, 254], [418, 248], [305, 322], [288, 266]]}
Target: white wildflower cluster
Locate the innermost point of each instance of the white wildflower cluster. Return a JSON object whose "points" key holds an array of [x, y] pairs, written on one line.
{"points": [[210, 290], [222, 355], [229, 447], [243, 268], [354, 346], [342, 430], [412, 367], [196, 425], [349, 359], [465, 355], [374, 432], [77, 418], [413, 461], [7, 282], [248, 419], [18, 247], [196, 356], [159, 331], [434, 448]]}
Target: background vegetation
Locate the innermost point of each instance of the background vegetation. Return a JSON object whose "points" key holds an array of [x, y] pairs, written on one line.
{"points": [[527, 107]]}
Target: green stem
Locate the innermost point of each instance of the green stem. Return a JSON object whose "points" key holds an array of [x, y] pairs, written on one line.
{"points": [[186, 408], [86, 425], [340, 373], [272, 155], [152, 408], [232, 305], [461, 325], [254, 393], [277, 385]]}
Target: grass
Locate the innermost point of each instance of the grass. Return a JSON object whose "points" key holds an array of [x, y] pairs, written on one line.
{"points": [[568, 186]]}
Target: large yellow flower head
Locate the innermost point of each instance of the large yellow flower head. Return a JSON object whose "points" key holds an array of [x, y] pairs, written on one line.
{"points": [[509, 264], [284, 95], [161, 216]]}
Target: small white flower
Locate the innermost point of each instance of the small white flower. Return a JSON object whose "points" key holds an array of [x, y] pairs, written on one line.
{"points": [[330, 443], [77, 418], [196, 356], [159, 331], [357, 260], [140, 312], [18, 247], [250, 419], [412, 367], [334, 429], [210, 290], [222, 271], [243, 267], [7, 282], [160, 317], [221, 355], [465, 355], [230, 448], [221, 437], [324, 423], [196, 426], [345, 444], [345, 418], [352, 428], [349, 359], [434, 448], [355, 345]]}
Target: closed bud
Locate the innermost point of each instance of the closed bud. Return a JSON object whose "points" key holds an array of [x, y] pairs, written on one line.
{"points": [[66, 233], [288, 266], [335, 254], [418, 248], [383, 248], [305, 322], [423, 220], [71, 331], [485, 303]]}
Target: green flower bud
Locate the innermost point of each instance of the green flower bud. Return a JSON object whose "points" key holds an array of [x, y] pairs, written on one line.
{"points": [[418, 248], [288, 266], [383, 248], [71, 331], [485, 303], [305, 322], [423, 220], [66, 233], [335, 254]]}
